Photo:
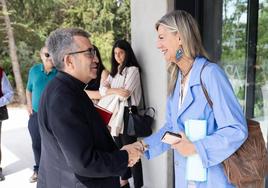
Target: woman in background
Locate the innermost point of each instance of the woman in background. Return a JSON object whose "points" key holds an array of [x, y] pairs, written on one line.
{"points": [[124, 80]]}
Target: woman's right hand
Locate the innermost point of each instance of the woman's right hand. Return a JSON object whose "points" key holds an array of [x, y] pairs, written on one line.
{"points": [[185, 147], [140, 145]]}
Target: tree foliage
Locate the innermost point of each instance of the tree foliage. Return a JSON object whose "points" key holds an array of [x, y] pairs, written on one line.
{"points": [[32, 21]]}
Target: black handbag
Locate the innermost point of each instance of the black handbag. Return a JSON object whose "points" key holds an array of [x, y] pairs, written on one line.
{"points": [[139, 122], [3, 113]]}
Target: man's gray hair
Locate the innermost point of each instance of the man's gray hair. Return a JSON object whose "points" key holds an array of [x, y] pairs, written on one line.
{"points": [[61, 42]]}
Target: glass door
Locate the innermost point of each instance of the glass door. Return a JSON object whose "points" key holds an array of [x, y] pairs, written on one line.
{"points": [[234, 23], [244, 55], [261, 92]]}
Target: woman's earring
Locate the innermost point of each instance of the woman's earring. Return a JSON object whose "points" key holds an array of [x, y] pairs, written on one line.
{"points": [[179, 54]]}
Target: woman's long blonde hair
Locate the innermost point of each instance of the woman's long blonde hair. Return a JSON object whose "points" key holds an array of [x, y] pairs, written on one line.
{"points": [[182, 22]]}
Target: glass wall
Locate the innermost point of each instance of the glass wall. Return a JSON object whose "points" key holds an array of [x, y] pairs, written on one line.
{"points": [[235, 57], [233, 54], [261, 91], [235, 34]]}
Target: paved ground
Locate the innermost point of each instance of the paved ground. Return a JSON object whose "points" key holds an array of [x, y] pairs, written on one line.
{"points": [[17, 156]]}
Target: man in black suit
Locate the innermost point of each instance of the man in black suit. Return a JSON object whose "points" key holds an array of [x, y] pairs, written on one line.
{"points": [[77, 148]]}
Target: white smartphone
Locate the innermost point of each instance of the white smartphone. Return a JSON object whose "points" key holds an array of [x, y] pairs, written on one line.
{"points": [[171, 138]]}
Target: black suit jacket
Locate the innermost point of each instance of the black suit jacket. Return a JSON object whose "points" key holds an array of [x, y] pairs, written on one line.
{"points": [[77, 148]]}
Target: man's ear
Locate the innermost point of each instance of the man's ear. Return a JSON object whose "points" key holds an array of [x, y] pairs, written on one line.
{"points": [[68, 61]]}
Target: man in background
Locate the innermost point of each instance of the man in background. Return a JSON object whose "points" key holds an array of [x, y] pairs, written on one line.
{"points": [[39, 76], [6, 95]]}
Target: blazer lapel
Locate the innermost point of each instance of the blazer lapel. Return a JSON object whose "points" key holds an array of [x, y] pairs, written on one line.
{"points": [[187, 101], [194, 80]]}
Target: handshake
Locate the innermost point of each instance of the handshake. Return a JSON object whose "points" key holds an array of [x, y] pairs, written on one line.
{"points": [[135, 151]]}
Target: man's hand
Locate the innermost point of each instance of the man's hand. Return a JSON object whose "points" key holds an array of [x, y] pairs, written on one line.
{"points": [[134, 154], [29, 102], [185, 147], [30, 109]]}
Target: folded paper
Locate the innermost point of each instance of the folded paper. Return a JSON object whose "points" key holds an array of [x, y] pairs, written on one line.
{"points": [[195, 130]]}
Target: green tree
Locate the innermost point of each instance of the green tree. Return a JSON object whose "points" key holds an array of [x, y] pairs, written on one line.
{"points": [[13, 52], [105, 20], [33, 20]]}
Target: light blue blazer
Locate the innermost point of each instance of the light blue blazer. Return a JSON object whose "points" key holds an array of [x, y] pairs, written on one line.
{"points": [[226, 125]]}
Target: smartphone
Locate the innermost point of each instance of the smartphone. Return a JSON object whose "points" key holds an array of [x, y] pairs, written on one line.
{"points": [[171, 138]]}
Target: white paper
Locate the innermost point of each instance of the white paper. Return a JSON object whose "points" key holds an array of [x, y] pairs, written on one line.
{"points": [[195, 130]]}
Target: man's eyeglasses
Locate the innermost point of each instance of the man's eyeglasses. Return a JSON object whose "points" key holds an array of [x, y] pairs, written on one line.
{"points": [[90, 51]]}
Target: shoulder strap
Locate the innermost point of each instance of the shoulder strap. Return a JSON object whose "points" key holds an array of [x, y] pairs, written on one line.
{"points": [[204, 88], [142, 94]]}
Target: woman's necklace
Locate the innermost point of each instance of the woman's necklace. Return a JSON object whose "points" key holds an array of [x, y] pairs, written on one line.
{"points": [[185, 68], [184, 76]]}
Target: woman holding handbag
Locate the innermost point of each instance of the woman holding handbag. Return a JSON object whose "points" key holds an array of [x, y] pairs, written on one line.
{"points": [[124, 81]]}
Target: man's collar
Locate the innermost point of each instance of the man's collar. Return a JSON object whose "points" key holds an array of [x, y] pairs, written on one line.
{"points": [[75, 82]]}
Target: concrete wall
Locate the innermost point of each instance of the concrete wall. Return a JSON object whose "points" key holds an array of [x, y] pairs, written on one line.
{"points": [[144, 14]]}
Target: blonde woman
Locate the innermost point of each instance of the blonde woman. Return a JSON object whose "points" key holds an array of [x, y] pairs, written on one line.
{"points": [[180, 42]]}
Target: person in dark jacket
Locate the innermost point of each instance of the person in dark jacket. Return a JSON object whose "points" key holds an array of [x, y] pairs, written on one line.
{"points": [[77, 148]]}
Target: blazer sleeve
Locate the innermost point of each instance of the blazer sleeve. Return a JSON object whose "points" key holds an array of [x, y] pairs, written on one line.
{"points": [[74, 135], [231, 129], [155, 145]]}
